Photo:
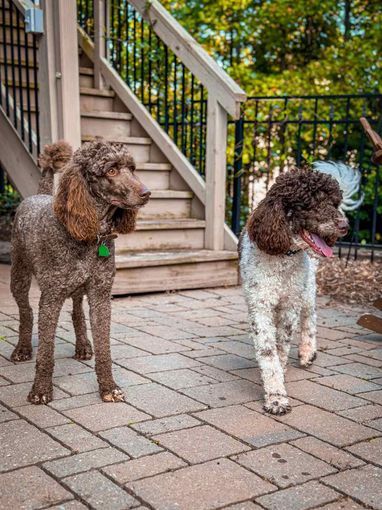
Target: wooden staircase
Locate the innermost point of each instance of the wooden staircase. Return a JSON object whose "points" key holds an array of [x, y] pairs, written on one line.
{"points": [[168, 249]]}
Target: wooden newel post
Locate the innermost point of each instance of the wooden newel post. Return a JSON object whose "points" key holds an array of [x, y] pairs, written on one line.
{"points": [[215, 174], [99, 41], [59, 74]]}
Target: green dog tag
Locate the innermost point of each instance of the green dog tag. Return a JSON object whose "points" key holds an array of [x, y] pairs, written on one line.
{"points": [[103, 251]]}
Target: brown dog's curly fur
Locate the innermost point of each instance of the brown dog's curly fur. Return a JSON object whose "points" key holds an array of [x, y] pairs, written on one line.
{"points": [[56, 239], [298, 197], [51, 161]]}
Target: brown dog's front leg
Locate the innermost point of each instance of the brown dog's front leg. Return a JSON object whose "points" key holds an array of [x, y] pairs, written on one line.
{"points": [[49, 312], [100, 316]]}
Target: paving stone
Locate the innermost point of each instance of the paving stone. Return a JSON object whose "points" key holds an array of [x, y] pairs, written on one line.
{"points": [[158, 363], [341, 504], [348, 383], [184, 378], [160, 401], [6, 415], [375, 354], [322, 396], [200, 444], [153, 427], [359, 370], [284, 465], [252, 427], [247, 505], [331, 334], [16, 394], [334, 456], [374, 396], [365, 360], [87, 383], [238, 348], [302, 497], [203, 352], [202, 487], [99, 492], [370, 450], [26, 371], [105, 415], [225, 394], [377, 424], [42, 416], [144, 467], [166, 332], [130, 441], [76, 438], [363, 484], [74, 402], [71, 505], [84, 461], [214, 373], [124, 351], [30, 488], [326, 426], [22, 444], [155, 345], [344, 350], [228, 362], [326, 360], [363, 414]]}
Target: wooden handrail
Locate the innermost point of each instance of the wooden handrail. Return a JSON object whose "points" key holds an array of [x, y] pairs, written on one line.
{"points": [[194, 57]]}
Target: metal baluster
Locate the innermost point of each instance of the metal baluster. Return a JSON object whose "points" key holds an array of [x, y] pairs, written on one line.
{"points": [[142, 62], [21, 90], [35, 78], [237, 171], [166, 116], [175, 103], [315, 125], [13, 65], [29, 106], [299, 129], [201, 129], [183, 111], [135, 51], [150, 67], [192, 152]]}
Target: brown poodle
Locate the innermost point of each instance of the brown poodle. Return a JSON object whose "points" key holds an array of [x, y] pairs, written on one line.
{"points": [[67, 243]]}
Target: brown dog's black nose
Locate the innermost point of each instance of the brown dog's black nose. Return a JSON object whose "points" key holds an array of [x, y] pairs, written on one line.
{"points": [[145, 192]]}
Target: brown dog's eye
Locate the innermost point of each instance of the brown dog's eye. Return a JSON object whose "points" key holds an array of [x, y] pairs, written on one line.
{"points": [[112, 172]]}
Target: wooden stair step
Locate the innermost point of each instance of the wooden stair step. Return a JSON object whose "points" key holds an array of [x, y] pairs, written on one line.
{"points": [[107, 115], [170, 193], [90, 91], [163, 258], [158, 167], [174, 270], [89, 71], [170, 224], [130, 140]]}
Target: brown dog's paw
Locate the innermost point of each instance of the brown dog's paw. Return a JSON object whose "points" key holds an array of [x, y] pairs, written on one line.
{"points": [[277, 404], [38, 398], [21, 354], [115, 395], [84, 352]]}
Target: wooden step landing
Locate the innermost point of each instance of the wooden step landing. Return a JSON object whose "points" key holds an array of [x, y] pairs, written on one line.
{"points": [[174, 270]]}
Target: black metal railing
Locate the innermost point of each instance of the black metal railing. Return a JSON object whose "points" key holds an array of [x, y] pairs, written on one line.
{"points": [[19, 75], [275, 133], [171, 93]]}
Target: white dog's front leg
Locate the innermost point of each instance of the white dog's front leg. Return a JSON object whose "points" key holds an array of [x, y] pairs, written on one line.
{"points": [[263, 333], [307, 350]]}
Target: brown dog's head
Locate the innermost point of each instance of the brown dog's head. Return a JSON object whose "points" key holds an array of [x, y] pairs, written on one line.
{"points": [[301, 208], [100, 174]]}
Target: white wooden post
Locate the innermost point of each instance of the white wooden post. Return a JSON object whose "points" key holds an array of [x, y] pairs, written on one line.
{"points": [[67, 72], [99, 41], [47, 78], [215, 174]]}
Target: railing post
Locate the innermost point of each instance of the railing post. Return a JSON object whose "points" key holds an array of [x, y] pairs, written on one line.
{"points": [[59, 74], [215, 174], [99, 41]]}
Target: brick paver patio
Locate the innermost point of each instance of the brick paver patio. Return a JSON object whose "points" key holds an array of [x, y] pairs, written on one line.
{"points": [[192, 434]]}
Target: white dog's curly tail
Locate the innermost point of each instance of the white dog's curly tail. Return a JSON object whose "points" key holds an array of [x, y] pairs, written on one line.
{"points": [[349, 180]]}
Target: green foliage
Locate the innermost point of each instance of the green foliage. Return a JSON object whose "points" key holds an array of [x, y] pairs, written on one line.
{"points": [[285, 47], [9, 200]]}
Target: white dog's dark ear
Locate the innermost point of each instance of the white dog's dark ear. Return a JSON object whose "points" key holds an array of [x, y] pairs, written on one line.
{"points": [[349, 180], [268, 228]]}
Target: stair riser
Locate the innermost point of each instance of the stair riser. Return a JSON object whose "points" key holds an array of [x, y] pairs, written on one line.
{"points": [[166, 208], [176, 277], [190, 239], [141, 153], [86, 80], [96, 103], [101, 127], [154, 179]]}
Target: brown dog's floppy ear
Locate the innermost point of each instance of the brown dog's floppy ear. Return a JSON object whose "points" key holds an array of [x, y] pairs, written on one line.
{"points": [[268, 228], [74, 206], [124, 220]]}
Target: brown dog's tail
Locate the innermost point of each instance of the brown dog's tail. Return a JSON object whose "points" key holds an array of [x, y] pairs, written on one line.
{"points": [[52, 160]]}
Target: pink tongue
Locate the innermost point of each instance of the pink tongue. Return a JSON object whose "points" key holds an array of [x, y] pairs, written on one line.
{"points": [[326, 250]]}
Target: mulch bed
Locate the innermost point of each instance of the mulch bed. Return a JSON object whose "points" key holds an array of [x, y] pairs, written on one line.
{"points": [[353, 282]]}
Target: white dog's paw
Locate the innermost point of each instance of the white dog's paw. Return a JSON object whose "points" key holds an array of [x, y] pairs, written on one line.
{"points": [[307, 356], [276, 404]]}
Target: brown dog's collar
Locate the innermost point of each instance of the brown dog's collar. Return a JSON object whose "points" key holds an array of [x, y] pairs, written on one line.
{"points": [[105, 237], [289, 253]]}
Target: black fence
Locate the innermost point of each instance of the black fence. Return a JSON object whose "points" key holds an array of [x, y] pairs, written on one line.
{"points": [[278, 132], [18, 75]]}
